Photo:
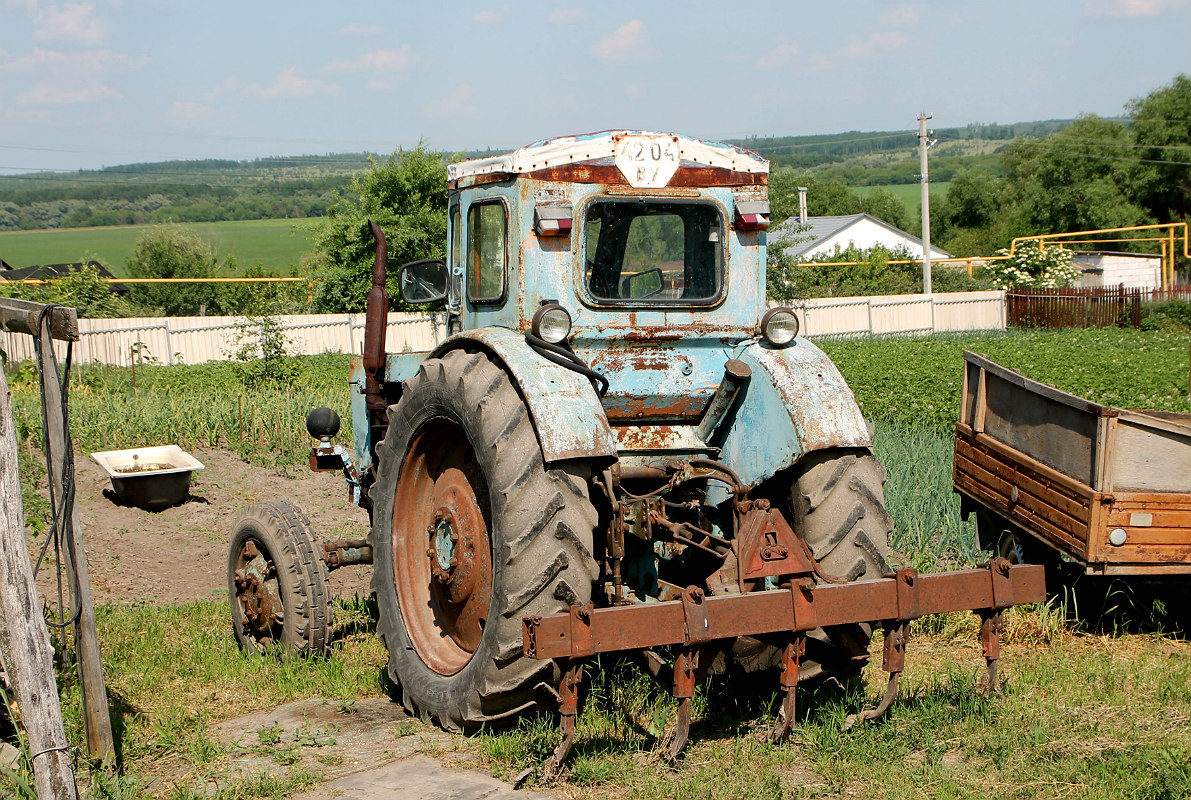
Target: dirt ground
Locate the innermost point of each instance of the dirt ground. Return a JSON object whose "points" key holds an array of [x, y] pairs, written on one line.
{"points": [[179, 554]]}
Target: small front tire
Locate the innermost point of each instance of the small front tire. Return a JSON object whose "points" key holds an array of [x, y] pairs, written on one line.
{"points": [[277, 581]]}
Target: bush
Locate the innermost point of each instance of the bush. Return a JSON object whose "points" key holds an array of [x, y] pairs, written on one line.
{"points": [[1050, 268], [790, 279]]}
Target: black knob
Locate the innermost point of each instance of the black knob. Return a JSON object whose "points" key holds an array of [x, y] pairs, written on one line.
{"points": [[322, 423]]}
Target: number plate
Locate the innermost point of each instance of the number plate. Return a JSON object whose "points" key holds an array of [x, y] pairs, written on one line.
{"points": [[647, 162]]}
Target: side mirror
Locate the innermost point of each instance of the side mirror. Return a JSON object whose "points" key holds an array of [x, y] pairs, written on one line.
{"points": [[641, 284], [423, 281]]}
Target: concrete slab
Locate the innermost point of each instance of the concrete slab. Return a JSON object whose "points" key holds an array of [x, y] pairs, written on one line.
{"points": [[418, 778]]}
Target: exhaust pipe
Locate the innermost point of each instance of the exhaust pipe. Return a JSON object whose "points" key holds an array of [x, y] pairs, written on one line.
{"points": [[376, 318]]}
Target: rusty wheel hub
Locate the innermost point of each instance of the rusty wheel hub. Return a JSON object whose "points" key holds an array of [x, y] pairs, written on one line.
{"points": [[258, 596], [442, 551]]}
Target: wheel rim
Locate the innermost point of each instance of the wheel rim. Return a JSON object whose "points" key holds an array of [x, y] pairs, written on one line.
{"points": [[1011, 547], [258, 595], [442, 549]]}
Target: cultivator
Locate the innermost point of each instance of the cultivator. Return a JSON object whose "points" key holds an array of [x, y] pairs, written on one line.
{"points": [[699, 627]]}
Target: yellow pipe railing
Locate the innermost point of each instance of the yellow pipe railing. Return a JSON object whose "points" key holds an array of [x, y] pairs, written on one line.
{"points": [[1167, 242]]}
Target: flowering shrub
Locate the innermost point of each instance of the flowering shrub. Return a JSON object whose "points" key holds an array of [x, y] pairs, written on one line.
{"points": [[1045, 269]]}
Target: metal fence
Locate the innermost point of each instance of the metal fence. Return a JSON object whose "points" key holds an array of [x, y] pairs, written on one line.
{"points": [[191, 340], [1084, 307]]}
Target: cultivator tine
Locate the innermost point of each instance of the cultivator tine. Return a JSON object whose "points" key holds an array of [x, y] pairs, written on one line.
{"points": [[791, 662], [893, 661], [686, 665], [992, 624], [568, 707]]}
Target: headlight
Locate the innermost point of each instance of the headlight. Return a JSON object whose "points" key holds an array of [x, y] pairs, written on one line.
{"points": [[551, 323], [779, 326]]}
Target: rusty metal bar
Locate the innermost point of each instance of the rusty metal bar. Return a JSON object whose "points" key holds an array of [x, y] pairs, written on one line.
{"points": [[799, 608]]}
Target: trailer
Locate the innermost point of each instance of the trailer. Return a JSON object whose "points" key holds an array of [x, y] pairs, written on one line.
{"points": [[1053, 476]]}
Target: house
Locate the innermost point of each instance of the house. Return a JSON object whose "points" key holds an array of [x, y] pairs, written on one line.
{"points": [[820, 236], [52, 271], [1133, 270]]}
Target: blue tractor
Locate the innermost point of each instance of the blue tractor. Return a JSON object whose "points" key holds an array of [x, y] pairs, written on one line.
{"points": [[617, 429]]}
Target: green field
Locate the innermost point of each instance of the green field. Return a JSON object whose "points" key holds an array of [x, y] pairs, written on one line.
{"points": [[278, 244], [909, 193]]}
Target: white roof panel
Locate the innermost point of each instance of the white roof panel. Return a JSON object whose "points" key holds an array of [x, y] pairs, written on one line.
{"points": [[596, 146]]}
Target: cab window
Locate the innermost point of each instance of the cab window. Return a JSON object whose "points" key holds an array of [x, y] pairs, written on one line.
{"points": [[653, 252], [487, 252]]}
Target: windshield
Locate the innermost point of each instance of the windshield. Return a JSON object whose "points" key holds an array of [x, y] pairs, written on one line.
{"points": [[659, 252]]}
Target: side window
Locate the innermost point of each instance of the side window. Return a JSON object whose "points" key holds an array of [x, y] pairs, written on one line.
{"points": [[456, 255], [486, 252]]}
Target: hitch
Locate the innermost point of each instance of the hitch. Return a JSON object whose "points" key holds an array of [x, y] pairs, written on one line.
{"points": [[699, 626]]}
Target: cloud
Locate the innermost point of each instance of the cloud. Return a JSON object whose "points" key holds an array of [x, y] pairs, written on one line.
{"points": [[72, 23], [67, 63], [489, 16], [48, 94], [780, 56], [875, 45], [381, 60], [901, 15], [355, 29], [452, 104], [289, 84], [1133, 8], [190, 113], [567, 16], [625, 42]]}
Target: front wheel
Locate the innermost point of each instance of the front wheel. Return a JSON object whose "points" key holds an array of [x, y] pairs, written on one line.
{"points": [[472, 532], [277, 581]]}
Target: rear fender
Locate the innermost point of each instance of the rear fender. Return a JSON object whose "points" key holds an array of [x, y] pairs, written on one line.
{"points": [[566, 411], [796, 402]]}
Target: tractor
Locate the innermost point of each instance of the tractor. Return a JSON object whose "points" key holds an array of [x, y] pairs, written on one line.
{"points": [[619, 446]]}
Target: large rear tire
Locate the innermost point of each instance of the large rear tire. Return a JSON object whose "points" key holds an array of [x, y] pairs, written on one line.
{"points": [[471, 533], [838, 505]]}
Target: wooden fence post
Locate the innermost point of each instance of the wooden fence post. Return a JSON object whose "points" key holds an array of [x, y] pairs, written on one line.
{"points": [[25, 648], [98, 723]]}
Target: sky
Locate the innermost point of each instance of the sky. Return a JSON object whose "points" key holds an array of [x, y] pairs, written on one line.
{"points": [[91, 84]]}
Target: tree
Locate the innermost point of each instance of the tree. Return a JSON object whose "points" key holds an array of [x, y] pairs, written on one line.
{"points": [[1161, 126], [173, 251], [1075, 180], [883, 204], [823, 198], [406, 195]]}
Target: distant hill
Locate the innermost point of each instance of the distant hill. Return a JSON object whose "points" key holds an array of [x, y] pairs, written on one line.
{"points": [[290, 187]]}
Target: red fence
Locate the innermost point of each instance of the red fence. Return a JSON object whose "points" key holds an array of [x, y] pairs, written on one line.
{"points": [[1092, 307]]}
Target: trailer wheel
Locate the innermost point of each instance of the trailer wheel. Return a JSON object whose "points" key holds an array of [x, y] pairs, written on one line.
{"points": [[277, 582], [472, 533], [838, 504]]}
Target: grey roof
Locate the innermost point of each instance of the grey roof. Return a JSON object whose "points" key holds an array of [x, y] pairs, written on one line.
{"points": [[820, 228]]}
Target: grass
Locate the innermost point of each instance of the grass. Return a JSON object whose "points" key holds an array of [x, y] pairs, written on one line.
{"points": [[1084, 715], [278, 244], [910, 193]]}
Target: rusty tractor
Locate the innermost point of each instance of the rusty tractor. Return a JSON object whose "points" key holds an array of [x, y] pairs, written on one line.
{"points": [[617, 447]]}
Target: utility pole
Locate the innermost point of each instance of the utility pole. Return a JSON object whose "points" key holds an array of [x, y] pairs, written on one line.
{"points": [[924, 144]]}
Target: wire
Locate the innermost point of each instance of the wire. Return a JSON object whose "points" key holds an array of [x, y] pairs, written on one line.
{"points": [[60, 507]]}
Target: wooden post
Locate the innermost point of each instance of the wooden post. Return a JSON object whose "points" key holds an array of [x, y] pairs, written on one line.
{"points": [[25, 648], [100, 742]]}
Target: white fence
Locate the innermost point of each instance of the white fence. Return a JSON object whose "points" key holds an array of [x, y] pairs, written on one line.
{"points": [[190, 340], [901, 313]]}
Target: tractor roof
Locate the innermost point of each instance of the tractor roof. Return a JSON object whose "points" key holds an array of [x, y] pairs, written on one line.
{"points": [[605, 147]]}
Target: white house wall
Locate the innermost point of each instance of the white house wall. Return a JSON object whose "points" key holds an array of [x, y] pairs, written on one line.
{"points": [[866, 234]]}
